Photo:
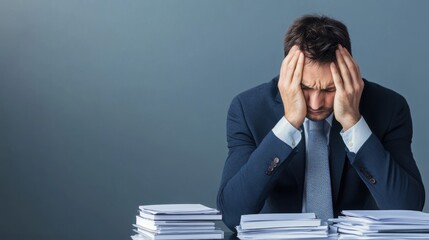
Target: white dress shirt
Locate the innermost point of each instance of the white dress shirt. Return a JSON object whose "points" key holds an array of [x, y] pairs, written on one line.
{"points": [[353, 138]]}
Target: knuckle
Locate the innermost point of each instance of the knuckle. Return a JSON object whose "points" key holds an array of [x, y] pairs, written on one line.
{"points": [[281, 85], [356, 89]]}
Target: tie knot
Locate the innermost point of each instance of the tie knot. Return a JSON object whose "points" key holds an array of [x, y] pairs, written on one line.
{"points": [[317, 125]]}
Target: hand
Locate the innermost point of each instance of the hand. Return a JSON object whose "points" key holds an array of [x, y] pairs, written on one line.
{"points": [[349, 86], [289, 86]]}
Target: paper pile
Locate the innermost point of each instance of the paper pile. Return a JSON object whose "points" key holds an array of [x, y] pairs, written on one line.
{"points": [[382, 224], [281, 226], [177, 221]]}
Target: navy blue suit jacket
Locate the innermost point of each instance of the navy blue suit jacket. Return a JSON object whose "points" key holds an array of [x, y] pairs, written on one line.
{"points": [[381, 175]]}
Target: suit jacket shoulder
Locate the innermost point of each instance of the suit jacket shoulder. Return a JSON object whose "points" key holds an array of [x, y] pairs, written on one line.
{"points": [[384, 109], [260, 108]]}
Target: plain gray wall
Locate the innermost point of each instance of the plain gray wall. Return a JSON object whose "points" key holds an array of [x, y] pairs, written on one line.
{"points": [[107, 105]]}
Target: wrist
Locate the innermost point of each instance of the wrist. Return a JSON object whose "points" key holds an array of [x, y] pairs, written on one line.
{"points": [[296, 123], [349, 122]]}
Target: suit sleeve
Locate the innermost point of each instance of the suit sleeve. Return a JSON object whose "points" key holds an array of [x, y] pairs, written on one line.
{"points": [[387, 167], [249, 170]]}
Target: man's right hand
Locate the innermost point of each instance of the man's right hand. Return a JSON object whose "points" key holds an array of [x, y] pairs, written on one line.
{"points": [[289, 85]]}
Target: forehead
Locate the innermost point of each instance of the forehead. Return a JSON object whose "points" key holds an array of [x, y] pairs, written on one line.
{"points": [[316, 75]]}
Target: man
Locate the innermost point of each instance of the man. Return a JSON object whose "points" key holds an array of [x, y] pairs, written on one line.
{"points": [[318, 138]]}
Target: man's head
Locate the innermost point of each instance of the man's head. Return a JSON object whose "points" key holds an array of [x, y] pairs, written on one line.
{"points": [[317, 37]]}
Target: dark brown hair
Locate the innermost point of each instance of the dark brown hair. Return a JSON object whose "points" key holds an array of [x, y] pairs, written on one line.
{"points": [[318, 37]]}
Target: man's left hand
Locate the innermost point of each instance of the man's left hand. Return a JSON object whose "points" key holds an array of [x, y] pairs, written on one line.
{"points": [[349, 86]]}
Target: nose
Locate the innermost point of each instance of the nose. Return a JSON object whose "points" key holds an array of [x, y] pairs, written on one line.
{"points": [[316, 100]]}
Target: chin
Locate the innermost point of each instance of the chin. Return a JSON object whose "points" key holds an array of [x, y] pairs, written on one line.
{"points": [[318, 117]]}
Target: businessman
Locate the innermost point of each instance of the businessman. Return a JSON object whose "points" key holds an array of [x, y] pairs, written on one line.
{"points": [[318, 137]]}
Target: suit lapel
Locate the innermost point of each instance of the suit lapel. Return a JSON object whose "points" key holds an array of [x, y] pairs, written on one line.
{"points": [[337, 153]]}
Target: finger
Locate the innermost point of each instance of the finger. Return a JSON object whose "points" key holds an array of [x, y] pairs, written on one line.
{"points": [[290, 68], [343, 69], [292, 51], [286, 60], [290, 54], [297, 75], [360, 81], [352, 67], [338, 81]]}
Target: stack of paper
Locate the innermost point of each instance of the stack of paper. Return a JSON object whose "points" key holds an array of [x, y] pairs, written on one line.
{"points": [[281, 226], [382, 224], [177, 221]]}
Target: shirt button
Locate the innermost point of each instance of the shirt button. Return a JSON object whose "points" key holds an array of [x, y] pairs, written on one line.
{"points": [[350, 144], [372, 181], [293, 143]]}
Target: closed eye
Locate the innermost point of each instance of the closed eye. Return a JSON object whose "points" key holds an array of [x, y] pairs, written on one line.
{"points": [[329, 90], [332, 89], [303, 87]]}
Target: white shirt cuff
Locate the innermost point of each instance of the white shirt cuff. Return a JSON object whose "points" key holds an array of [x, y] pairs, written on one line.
{"points": [[287, 133], [356, 136]]}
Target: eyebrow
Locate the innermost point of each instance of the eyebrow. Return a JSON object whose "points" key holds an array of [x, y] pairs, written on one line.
{"points": [[310, 87]]}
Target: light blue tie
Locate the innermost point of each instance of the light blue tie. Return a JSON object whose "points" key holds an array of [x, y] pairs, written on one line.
{"points": [[318, 196]]}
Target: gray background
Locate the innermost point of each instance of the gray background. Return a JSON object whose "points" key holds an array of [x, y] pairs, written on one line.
{"points": [[107, 105]]}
